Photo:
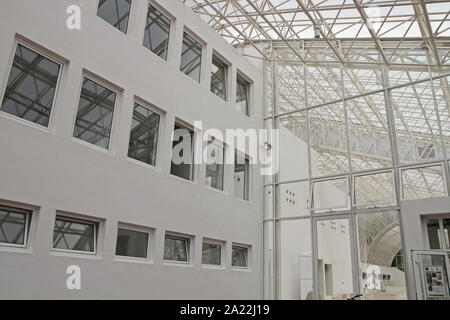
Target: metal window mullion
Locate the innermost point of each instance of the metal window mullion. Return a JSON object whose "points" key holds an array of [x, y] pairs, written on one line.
{"points": [[274, 254]]}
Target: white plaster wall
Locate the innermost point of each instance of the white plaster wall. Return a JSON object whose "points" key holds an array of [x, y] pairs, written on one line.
{"points": [[48, 170]]}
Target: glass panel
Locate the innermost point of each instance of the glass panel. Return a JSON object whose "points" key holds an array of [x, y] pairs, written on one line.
{"points": [[144, 135], [182, 153], [293, 147], [31, 87], [330, 195], [241, 177], [293, 199], [115, 12], [242, 99], [442, 90], [328, 138], [191, 57], [417, 129], [239, 257], [380, 256], [434, 234], [71, 234], [375, 190], [131, 243], [421, 183], [176, 249], [434, 277], [215, 166], [446, 223], [211, 253], [294, 260], [324, 84], [12, 226], [95, 114], [369, 134], [157, 30], [219, 78], [334, 260], [289, 84]]}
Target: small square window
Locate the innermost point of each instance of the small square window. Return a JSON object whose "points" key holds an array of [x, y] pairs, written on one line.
{"points": [[191, 57], [157, 32], [176, 248], [72, 234], [31, 87], [211, 254], [239, 257], [143, 143], [115, 12], [219, 72], [242, 96], [14, 226], [131, 243], [182, 164], [95, 114]]}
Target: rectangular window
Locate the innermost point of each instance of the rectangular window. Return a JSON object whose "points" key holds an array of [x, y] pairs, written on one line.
{"points": [[330, 195], [219, 72], [115, 12], [143, 143], [242, 96], [176, 248], [183, 153], [14, 226], [31, 87], [241, 176], [74, 234], [212, 254], [95, 114], [191, 57], [132, 243], [424, 182], [157, 31], [215, 165], [434, 234], [446, 225], [239, 257]]}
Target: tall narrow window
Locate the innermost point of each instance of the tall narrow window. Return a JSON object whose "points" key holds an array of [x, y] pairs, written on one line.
{"points": [[74, 234], [144, 135], [241, 177], [242, 95], [239, 257], [215, 165], [115, 12], [95, 114], [219, 78], [176, 248], [211, 253], [191, 57], [434, 234], [131, 243], [31, 86], [157, 31], [13, 226], [182, 152]]}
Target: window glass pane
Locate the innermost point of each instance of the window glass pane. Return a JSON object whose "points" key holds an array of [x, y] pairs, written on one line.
{"points": [[380, 253], [241, 177], [176, 249], [72, 234], [242, 99], [218, 78], [239, 257], [144, 135], [182, 164], [31, 87], [293, 199], [131, 243], [157, 32], [446, 223], [115, 12], [211, 253], [12, 226], [421, 183], [95, 114], [330, 195], [191, 57], [442, 89], [374, 190], [434, 234], [215, 166], [294, 260]]}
